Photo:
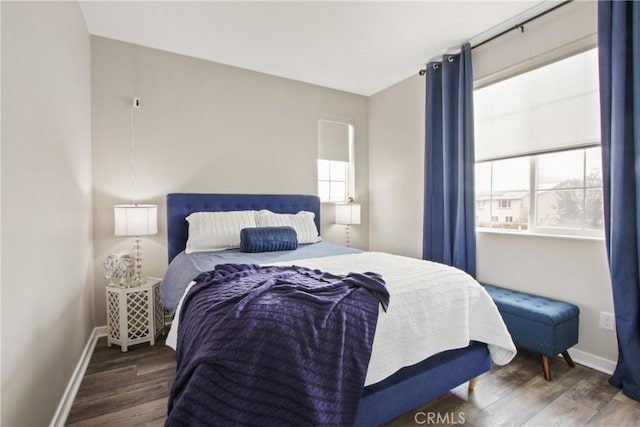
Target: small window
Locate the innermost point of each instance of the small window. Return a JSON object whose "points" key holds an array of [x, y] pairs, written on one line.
{"points": [[335, 160], [332, 180]]}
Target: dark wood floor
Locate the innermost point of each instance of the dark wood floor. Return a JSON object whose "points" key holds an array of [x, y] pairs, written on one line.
{"points": [[125, 389], [131, 388]]}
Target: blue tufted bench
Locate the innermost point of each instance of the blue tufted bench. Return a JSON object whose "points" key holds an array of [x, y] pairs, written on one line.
{"points": [[546, 326]]}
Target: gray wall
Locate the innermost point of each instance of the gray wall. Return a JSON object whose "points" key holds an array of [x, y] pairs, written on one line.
{"points": [[571, 269], [396, 162], [205, 127], [47, 274]]}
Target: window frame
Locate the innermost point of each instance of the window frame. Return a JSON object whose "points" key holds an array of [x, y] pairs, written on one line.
{"points": [[346, 181], [349, 183], [553, 55], [532, 227], [533, 214]]}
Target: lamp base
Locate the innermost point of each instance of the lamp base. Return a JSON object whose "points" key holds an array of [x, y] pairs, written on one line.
{"points": [[137, 265], [348, 235]]}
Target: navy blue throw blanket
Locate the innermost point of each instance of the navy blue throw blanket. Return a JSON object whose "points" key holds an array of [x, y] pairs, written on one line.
{"points": [[274, 346]]}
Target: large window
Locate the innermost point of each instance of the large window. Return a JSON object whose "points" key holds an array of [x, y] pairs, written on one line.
{"points": [[538, 150], [335, 160]]}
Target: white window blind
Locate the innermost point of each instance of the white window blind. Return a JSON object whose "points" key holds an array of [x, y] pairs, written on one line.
{"points": [[333, 140], [551, 108]]}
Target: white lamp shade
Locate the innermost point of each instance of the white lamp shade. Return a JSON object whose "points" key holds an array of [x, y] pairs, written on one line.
{"points": [[348, 214], [135, 220]]}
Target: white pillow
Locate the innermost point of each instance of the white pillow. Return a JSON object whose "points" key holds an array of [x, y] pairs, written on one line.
{"points": [[302, 222], [217, 231]]}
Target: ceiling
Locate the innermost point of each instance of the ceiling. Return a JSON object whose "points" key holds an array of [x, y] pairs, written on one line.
{"points": [[356, 46]]}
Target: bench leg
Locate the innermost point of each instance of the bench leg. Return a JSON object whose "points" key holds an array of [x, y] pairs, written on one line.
{"points": [[472, 383], [546, 369], [568, 359]]}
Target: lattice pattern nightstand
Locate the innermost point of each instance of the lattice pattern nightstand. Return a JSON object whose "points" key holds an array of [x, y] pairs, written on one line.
{"points": [[134, 315]]}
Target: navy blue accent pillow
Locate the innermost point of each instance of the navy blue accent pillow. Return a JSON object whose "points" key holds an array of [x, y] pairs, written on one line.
{"points": [[268, 239]]}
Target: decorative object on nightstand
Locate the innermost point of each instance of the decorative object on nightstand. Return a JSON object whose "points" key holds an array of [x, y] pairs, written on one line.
{"points": [[118, 269], [348, 214], [134, 315]]}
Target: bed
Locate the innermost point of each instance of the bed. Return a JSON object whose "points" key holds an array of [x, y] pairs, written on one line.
{"points": [[389, 391]]}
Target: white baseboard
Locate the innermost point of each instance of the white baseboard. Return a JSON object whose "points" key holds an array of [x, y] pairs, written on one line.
{"points": [[595, 362], [62, 412], [101, 331]]}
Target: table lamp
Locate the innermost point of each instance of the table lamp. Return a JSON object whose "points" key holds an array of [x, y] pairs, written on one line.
{"points": [[136, 220]]}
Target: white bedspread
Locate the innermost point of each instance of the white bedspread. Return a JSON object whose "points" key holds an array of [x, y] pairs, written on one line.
{"points": [[433, 308]]}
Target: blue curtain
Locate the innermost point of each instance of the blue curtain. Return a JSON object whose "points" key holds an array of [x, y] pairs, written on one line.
{"points": [[619, 59], [449, 202]]}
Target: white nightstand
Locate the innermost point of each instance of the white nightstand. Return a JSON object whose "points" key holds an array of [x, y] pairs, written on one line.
{"points": [[134, 315]]}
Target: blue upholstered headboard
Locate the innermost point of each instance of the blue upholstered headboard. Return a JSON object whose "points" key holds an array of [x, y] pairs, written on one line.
{"points": [[181, 205]]}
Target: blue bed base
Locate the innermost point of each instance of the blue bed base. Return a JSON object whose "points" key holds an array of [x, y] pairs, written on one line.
{"points": [[383, 401], [412, 386]]}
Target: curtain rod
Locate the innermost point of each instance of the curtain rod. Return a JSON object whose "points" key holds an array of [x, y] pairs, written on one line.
{"points": [[518, 26]]}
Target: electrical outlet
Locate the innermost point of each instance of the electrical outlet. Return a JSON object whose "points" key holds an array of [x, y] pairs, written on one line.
{"points": [[607, 321]]}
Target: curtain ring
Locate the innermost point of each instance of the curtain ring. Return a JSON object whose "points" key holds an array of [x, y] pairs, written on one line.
{"points": [[435, 65], [450, 59]]}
